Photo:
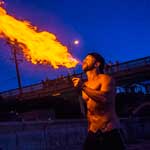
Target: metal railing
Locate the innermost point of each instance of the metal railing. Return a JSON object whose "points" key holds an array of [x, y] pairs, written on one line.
{"points": [[129, 65]]}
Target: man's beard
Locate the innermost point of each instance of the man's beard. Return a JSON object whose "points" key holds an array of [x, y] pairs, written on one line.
{"points": [[87, 67]]}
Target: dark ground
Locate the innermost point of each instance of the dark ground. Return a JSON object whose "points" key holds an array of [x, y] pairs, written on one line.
{"points": [[140, 145]]}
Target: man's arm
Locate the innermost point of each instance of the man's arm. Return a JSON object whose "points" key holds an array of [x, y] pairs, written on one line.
{"points": [[107, 84], [78, 84]]}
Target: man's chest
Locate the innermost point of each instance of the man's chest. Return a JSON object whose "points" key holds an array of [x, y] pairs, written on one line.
{"points": [[95, 85]]}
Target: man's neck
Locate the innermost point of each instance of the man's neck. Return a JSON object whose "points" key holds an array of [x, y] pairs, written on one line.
{"points": [[92, 74]]}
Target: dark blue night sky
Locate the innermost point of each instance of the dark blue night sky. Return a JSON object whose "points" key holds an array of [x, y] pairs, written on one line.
{"points": [[118, 29]]}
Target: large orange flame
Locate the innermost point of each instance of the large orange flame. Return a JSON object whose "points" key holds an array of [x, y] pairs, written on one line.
{"points": [[38, 47]]}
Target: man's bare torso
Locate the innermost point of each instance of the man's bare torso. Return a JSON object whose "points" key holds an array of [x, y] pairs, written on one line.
{"points": [[101, 115]]}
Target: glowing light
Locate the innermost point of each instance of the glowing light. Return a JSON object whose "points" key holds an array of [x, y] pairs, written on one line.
{"points": [[76, 42], [1, 2]]}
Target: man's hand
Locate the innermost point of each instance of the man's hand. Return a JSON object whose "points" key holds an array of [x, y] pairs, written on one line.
{"points": [[77, 82]]}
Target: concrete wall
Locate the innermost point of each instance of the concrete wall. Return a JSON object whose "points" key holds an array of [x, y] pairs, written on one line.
{"points": [[60, 134]]}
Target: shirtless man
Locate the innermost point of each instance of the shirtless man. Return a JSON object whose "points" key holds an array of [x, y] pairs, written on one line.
{"points": [[99, 93]]}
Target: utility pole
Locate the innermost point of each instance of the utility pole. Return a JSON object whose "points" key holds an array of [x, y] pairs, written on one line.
{"points": [[14, 52]]}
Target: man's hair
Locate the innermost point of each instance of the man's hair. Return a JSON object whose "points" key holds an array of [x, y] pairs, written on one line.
{"points": [[99, 58]]}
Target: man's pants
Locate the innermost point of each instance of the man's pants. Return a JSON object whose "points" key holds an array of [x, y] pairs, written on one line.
{"points": [[112, 140]]}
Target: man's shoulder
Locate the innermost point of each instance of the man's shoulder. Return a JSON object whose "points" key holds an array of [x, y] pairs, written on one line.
{"points": [[106, 78]]}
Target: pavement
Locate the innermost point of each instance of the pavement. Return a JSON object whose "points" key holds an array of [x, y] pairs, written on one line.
{"points": [[140, 145]]}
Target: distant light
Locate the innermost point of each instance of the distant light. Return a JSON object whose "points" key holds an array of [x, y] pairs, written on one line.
{"points": [[76, 42], [1, 2]]}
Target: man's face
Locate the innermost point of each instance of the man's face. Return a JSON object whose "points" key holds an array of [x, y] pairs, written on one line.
{"points": [[88, 63]]}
